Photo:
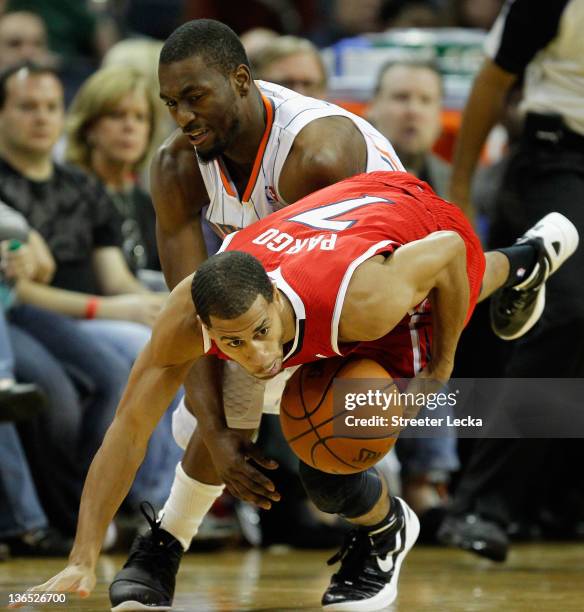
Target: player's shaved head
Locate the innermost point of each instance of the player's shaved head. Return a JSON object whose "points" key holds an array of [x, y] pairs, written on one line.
{"points": [[212, 40], [227, 284]]}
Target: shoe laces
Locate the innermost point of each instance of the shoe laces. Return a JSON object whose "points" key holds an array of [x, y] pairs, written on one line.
{"points": [[356, 548], [155, 548]]}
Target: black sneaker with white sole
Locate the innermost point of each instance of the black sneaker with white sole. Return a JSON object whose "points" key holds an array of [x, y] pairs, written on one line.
{"points": [[147, 580], [371, 562], [515, 310]]}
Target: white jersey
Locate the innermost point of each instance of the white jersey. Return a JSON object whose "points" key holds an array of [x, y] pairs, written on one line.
{"points": [[287, 113]]}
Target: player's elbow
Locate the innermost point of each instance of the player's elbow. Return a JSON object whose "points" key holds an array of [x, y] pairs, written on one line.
{"points": [[448, 246]]}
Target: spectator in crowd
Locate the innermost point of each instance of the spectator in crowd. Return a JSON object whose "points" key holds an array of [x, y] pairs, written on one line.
{"points": [[16, 400], [411, 14], [111, 129], [479, 14], [79, 33], [51, 351], [255, 40], [406, 108], [545, 173], [24, 527], [294, 63], [76, 218], [23, 36], [142, 54], [75, 29]]}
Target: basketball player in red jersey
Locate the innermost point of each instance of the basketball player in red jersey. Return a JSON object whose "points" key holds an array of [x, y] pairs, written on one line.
{"points": [[360, 267]]}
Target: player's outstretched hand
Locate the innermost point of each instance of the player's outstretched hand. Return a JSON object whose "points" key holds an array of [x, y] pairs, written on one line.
{"points": [[78, 579], [231, 454]]}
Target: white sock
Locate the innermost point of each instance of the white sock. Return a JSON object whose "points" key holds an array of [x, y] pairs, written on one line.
{"points": [[187, 504]]}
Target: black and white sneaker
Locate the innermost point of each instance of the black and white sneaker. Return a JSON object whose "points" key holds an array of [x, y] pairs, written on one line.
{"points": [[147, 580], [515, 310], [370, 563]]}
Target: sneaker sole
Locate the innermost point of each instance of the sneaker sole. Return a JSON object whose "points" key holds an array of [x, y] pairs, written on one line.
{"points": [[569, 235], [136, 605], [529, 323], [388, 594]]}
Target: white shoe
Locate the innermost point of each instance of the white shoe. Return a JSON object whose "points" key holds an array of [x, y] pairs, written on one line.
{"points": [[515, 310]]}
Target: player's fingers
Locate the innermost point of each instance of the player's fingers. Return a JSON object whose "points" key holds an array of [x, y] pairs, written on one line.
{"points": [[86, 585], [253, 452], [251, 472], [249, 482], [241, 492], [45, 586]]}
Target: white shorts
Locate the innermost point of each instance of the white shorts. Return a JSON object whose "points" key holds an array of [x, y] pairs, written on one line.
{"points": [[245, 399]]}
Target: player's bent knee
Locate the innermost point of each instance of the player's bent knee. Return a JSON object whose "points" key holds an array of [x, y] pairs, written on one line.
{"points": [[349, 495]]}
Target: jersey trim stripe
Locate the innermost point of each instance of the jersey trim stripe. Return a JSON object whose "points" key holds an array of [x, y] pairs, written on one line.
{"points": [[371, 251], [269, 106], [226, 241], [390, 159], [299, 311], [416, 355], [227, 184]]}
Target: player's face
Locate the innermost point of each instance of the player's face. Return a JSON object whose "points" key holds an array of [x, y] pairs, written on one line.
{"points": [[204, 103], [407, 109], [254, 339]]}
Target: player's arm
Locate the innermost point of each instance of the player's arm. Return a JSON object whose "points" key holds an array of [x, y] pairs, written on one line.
{"points": [[482, 111], [179, 194], [325, 152], [381, 294], [155, 378]]}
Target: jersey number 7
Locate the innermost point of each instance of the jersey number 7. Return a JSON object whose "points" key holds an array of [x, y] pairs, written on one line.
{"points": [[323, 217]]}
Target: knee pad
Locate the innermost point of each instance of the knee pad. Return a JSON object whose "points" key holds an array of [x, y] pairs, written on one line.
{"points": [[183, 424], [349, 495]]}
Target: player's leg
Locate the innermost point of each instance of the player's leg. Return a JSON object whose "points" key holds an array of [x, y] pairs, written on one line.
{"points": [[148, 577], [518, 273], [385, 531]]}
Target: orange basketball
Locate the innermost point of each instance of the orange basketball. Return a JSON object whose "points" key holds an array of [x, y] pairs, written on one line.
{"points": [[345, 440]]}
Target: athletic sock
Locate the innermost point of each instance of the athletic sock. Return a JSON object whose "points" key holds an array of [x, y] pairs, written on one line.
{"points": [[522, 260], [188, 503]]}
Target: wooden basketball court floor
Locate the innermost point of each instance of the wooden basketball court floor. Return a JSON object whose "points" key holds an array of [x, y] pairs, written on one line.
{"points": [[543, 578]]}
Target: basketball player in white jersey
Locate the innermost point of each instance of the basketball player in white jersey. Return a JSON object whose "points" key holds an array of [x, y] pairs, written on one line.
{"points": [[244, 149]]}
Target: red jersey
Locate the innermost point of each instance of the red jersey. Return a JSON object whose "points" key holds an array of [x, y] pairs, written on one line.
{"points": [[310, 249]]}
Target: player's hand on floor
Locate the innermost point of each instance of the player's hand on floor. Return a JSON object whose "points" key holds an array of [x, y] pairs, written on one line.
{"points": [[78, 579], [232, 455]]}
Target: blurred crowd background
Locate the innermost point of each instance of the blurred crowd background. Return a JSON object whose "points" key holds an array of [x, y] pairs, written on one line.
{"points": [[76, 221]]}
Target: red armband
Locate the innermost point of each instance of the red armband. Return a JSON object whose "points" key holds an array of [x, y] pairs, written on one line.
{"points": [[91, 307]]}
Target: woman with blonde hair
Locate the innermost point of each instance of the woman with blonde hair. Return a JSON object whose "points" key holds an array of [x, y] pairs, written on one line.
{"points": [[110, 133]]}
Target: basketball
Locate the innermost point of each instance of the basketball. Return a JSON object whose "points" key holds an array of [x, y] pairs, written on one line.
{"points": [[342, 441]]}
